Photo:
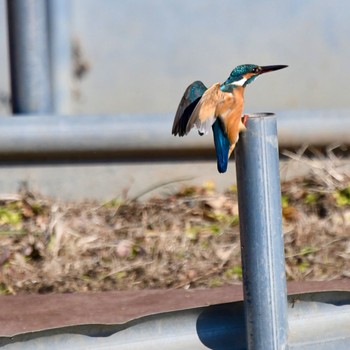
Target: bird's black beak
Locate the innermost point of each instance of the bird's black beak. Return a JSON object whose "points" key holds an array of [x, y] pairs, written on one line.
{"points": [[265, 69]]}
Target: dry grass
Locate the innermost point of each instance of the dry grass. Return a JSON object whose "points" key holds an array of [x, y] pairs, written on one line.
{"points": [[187, 239]]}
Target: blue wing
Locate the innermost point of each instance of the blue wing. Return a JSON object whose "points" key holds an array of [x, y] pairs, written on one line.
{"points": [[222, 144], [187, 104]]}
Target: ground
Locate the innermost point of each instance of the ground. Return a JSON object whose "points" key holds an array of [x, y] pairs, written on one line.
{"points": [[186, 239]]}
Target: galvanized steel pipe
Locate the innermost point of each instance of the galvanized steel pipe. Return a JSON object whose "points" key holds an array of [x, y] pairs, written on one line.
{"points": [[29, 56], [59, 20], [259, 201]]}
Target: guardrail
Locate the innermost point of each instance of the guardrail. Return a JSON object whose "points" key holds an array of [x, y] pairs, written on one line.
{"points": [[146, 137]]}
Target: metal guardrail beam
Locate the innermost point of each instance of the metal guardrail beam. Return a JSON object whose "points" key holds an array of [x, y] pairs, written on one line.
{"points": [[29, 56], [146, 136], [317, 321], [262, 248], [313, 127]]}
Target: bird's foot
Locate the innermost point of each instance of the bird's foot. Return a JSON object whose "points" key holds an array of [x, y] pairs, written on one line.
{"points": [[245, 119]]}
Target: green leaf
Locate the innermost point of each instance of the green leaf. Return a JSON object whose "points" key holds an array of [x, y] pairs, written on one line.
{"points": [[10, 217], [234, 271], [342, 196], [311, 198], [284, 201]]}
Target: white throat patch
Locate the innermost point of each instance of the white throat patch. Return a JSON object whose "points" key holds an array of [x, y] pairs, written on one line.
{"points": [[239, 82]]}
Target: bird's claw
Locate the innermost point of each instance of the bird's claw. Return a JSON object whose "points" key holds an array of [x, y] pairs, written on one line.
{"points": [[245, 119]]}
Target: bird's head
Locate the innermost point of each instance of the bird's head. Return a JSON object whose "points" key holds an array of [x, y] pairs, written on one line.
{"points": [[245, 74]]}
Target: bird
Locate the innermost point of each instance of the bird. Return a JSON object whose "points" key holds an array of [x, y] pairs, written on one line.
{"points": [[219, 107]]}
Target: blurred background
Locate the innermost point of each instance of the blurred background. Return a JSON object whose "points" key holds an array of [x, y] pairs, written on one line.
{"points": [[138, 56], [94, 181], [135, 59]]}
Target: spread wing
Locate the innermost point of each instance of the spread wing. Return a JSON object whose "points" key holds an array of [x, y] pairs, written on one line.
{"points": [[187, 104], [204, 114]]}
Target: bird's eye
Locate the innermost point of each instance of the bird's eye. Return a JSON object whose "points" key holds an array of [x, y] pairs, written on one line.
{"points": [[256, 70]]}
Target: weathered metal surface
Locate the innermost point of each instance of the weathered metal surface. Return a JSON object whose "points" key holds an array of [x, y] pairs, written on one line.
{"points": [[260, 221], [319, 325], [28, 313], [149, 320]]}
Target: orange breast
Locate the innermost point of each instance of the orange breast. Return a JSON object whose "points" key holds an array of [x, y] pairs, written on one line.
{"points": [[231, 112]]}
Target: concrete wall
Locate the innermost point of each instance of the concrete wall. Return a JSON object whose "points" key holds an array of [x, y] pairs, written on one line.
{"points": [[142, 55]]}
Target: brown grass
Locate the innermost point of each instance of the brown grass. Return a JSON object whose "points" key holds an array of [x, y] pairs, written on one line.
{"points": [[184, 240]]}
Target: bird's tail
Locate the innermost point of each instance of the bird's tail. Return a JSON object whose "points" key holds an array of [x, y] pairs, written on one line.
{"points": [[222, 145]]}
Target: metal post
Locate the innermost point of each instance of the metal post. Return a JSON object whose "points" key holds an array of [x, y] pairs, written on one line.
{"points": [[29, 56], [59, 20], [259, 196]]}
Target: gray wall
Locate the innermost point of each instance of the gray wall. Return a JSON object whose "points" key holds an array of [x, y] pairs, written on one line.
{"points": [[144, 53]]}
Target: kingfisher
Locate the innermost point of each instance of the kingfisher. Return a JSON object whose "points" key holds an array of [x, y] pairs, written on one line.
{"points": [[219, 107]]}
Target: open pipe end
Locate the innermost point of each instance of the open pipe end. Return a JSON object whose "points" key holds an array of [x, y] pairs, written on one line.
{"points": [[260, 115], [256, 115]]}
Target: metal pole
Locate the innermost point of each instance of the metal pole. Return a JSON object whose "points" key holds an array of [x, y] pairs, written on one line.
{"points": [[259, 200], [59, 20], [29, 56]]}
